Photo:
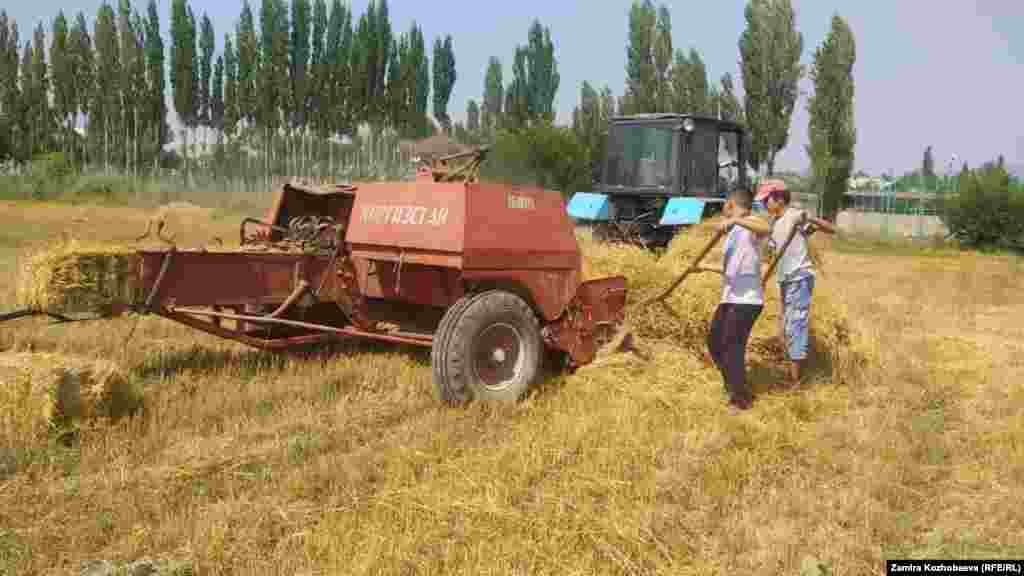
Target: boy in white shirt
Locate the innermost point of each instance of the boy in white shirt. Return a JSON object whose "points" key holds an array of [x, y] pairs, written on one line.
{"points": [[742, 295], [795, 270]]}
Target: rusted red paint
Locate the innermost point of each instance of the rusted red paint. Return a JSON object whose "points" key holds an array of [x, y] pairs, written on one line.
{"points": [[597, 306], [420, 243], [535, 218], [239, 336], [293, 200], [188, 317], [200, 278], [413, 283], [548, 290], [424, 216]]}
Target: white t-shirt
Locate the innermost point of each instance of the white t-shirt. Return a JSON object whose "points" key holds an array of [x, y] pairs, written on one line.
{"points": [[796, 262], [741, 281]]}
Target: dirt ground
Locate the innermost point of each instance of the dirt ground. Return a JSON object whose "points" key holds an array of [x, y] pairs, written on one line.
{"points": [[245, 463]]}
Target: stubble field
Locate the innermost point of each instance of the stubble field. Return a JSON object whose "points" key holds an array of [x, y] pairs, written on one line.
{"points": [[246, 463]]}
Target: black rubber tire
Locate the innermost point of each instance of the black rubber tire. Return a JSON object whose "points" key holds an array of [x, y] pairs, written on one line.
{"points": [[475, 367], [439, 348]]}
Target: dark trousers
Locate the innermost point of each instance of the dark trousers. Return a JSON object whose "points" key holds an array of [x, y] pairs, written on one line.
{"points": [[730, 330]]}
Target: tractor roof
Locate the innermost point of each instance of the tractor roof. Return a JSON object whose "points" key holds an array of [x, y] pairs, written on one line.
{"points": [[662, 116]]}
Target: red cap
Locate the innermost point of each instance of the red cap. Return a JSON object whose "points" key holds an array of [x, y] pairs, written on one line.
{"points": [[768, 188]]}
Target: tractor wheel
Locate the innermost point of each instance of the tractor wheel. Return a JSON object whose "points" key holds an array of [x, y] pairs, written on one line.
{"points": [[492, 350], [439, 349]]}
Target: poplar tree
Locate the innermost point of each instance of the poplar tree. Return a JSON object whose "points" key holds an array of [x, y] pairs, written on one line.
{"points": [[770, 49], [156, 109], [831, 129]]}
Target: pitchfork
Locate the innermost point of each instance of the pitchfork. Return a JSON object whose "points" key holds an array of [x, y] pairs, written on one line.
{"points": [[624, 339]]}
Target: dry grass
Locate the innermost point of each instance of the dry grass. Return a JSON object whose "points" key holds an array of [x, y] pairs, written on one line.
{"points": [[39, 392], [246, 463]]}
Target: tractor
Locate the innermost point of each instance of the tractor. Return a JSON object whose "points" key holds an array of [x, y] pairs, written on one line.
{"points": [[660, 174]]}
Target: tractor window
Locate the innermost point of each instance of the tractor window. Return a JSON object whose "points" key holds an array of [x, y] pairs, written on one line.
{"points": [[728, 161], [640, 156], [702, 154]]}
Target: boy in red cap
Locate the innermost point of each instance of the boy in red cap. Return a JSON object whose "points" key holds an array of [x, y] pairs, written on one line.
{"points": [[795, 269]]}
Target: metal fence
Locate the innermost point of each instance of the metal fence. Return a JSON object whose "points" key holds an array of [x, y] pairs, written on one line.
{"points": [[913, 214]]}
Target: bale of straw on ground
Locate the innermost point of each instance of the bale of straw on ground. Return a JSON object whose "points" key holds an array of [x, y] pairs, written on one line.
{"points": [[838, 348], [39, 391], [71, 276]]}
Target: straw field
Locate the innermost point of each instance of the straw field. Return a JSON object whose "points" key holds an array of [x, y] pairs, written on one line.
{"points": [[248, 463]]}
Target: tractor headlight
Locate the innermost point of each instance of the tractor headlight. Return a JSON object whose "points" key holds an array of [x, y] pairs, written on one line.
{"points": [[688, 124]]}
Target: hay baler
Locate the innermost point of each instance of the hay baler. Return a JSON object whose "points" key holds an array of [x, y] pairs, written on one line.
{"points": [[487, 275], [661, 173]]}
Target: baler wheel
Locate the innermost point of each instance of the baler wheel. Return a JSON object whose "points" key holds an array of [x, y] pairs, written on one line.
{"points": [[492, 350], [438, 352]]}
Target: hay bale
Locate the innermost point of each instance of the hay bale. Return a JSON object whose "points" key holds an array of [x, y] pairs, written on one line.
{"points": [[71, 277], [685, 323], [39, 391]]}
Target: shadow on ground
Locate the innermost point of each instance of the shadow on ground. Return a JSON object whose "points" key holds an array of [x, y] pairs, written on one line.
{"points": [[196, 358]]}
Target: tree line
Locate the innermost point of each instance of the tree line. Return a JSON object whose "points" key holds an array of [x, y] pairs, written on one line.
{"points": [[280, 87], [661, 77], [292, 80]]}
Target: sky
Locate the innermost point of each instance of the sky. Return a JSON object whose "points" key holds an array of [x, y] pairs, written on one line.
{"points": [[949, 73]]}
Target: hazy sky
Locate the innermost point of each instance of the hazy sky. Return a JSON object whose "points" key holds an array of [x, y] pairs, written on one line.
{"points": [[949, 73]]}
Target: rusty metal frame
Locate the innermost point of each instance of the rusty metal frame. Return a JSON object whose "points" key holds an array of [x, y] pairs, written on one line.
{"points": [[182, 315], [250, 220], [159, 279], [467, 172]]}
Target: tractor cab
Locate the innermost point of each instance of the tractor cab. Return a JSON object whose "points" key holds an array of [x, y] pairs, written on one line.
{"points": [[662, 172]]}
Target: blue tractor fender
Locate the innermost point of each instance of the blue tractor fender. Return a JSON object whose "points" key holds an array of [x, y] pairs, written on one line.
{"points": [[682, 211], [589, 206]]}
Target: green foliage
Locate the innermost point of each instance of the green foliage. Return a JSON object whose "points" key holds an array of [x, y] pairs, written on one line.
{"points": [[217, 95], [298, 63], [231, 112], [420, 62], [928, 169], [517, 96], [770, 49], [104, 117], [336, 70], [472, 116], [543, 67], [987, 210], [319, 79], [384, 38], [663, 59], [832, 132], [641, 68], [494, 97], [728, 105], [156, 106], [49, 171], [590, 124], [181, 60], [543, 155], [248, 63], [205, 71], [9, 91], [691, 92], [60, 73], [444, 78], [535, 80]]}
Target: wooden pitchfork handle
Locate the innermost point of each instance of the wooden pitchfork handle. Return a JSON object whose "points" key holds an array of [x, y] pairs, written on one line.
{"points": [[785, 246], [693, 266]]}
